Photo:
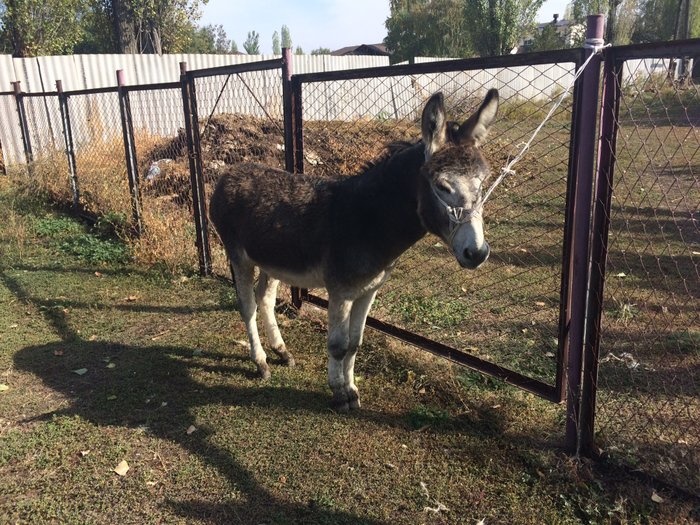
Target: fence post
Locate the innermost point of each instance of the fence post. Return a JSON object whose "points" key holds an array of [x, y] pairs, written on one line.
{"points": [[288, 102], [609, 125], [23, 126], [132, 170], [589, 84], [194, 153], [68, 140]]}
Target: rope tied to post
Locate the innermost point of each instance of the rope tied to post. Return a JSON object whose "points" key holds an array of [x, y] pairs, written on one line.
{"points": [[596, 47]]}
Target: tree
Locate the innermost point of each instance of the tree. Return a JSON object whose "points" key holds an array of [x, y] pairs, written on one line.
{"points": [[496, 25], [209, 39], [621, 17], [321, 51], [276, 49], [42, 27], [252, 43], [286, 37], [299, 51], [427, 28], [152, 26], [234, 48], [548, 38]]}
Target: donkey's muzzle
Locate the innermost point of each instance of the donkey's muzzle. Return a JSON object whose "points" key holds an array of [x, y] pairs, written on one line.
{"points": [[474, 258]]}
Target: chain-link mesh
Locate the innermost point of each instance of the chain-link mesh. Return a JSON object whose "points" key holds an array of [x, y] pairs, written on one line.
{"points": [[648, 410], [240, 120], [507, 311], [99, 154], [49, 169], [168, 235]]}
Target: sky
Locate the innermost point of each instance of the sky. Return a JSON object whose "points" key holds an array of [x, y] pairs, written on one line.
{"points": [[315, 23]]}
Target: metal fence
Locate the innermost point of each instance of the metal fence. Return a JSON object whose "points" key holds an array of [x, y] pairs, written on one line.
{"points": [[645, 285], [506, 319], [607, 322]]}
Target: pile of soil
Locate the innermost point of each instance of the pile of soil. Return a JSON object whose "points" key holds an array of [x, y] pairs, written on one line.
{"points": [[331, 148]]}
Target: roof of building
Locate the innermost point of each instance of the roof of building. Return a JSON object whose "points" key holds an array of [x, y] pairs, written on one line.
{"points": [[362, 49]]}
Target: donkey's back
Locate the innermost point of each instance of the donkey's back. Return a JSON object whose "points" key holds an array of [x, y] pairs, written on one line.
{"points": [[271, 217]]}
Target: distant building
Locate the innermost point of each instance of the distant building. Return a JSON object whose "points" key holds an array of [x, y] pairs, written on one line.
{"points": [[567, 29], [363, 49]]}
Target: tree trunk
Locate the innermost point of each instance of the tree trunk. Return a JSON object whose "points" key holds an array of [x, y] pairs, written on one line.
{"points": [[123, 28]]}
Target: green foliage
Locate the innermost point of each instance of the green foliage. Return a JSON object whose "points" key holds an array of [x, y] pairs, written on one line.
{"points": [[321, 51], [96, 250], [52, 27], [429, 310], [496, 25], [286, 37], [548, 38], [424, 416], [209, 39], [51, 227], [656, 21], [276, 48], [299, 51], [42, 27], [252, 43], [427, 28]]}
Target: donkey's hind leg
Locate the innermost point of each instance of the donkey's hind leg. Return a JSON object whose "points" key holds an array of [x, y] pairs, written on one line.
{"points": [[244, 275], [266, 295]]}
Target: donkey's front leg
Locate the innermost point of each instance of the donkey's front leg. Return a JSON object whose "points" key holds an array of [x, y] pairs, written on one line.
{"points": [[338, 340], [358, 317]]}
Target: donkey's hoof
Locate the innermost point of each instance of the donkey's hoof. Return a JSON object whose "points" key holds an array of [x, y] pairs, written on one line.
{"points": [[285, 355], [339, 403], [264, 371], [353, 400]]}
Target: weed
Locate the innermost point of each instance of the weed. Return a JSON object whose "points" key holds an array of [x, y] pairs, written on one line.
{"points": [[94, 250], [57, 226], [425, 416], [428, 310]]}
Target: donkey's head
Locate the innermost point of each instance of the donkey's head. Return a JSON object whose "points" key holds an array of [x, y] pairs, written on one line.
{"points": [[455, 170]]}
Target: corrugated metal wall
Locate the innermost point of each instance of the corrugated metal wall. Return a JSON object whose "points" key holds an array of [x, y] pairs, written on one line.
{"points": [[388, 97], [77, 72]]}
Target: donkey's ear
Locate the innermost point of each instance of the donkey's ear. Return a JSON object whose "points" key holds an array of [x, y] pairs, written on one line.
{"points": [[476, 127], [433, 124]]}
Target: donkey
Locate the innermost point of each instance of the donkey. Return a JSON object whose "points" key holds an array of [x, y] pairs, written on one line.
{"points": [[345, 234]]}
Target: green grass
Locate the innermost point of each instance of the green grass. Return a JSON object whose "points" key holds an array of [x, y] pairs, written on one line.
{"points": [[163, 354]]}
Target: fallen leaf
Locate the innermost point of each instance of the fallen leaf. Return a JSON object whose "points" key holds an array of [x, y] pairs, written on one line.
{"points": [[58, 353], [98, 274], [122, 468], [191, 429], [4, 387], [540, 303], [549, 354], [111, 398], [656, 498], [482, 521], [164, 404], [84, 453], [14, 326], [92, 338], [197, 351], [283, 479], [111, 365], [131, 298], [621, 274], [151, 483], [80, 371]]}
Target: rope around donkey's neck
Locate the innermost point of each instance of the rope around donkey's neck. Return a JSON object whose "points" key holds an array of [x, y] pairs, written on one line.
{"points": [[508, 168]]}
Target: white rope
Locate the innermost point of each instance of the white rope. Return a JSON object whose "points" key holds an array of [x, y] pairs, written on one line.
{"points": [[508, 169]]}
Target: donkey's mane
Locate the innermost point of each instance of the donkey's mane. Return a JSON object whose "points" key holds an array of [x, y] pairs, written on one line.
{"points": [[390, 151]]}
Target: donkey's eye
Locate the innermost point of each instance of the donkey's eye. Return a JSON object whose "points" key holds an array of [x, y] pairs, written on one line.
{"points": [[443, 187]]}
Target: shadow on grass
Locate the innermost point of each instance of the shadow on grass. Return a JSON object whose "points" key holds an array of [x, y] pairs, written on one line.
{"points": [[163, 372]]}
